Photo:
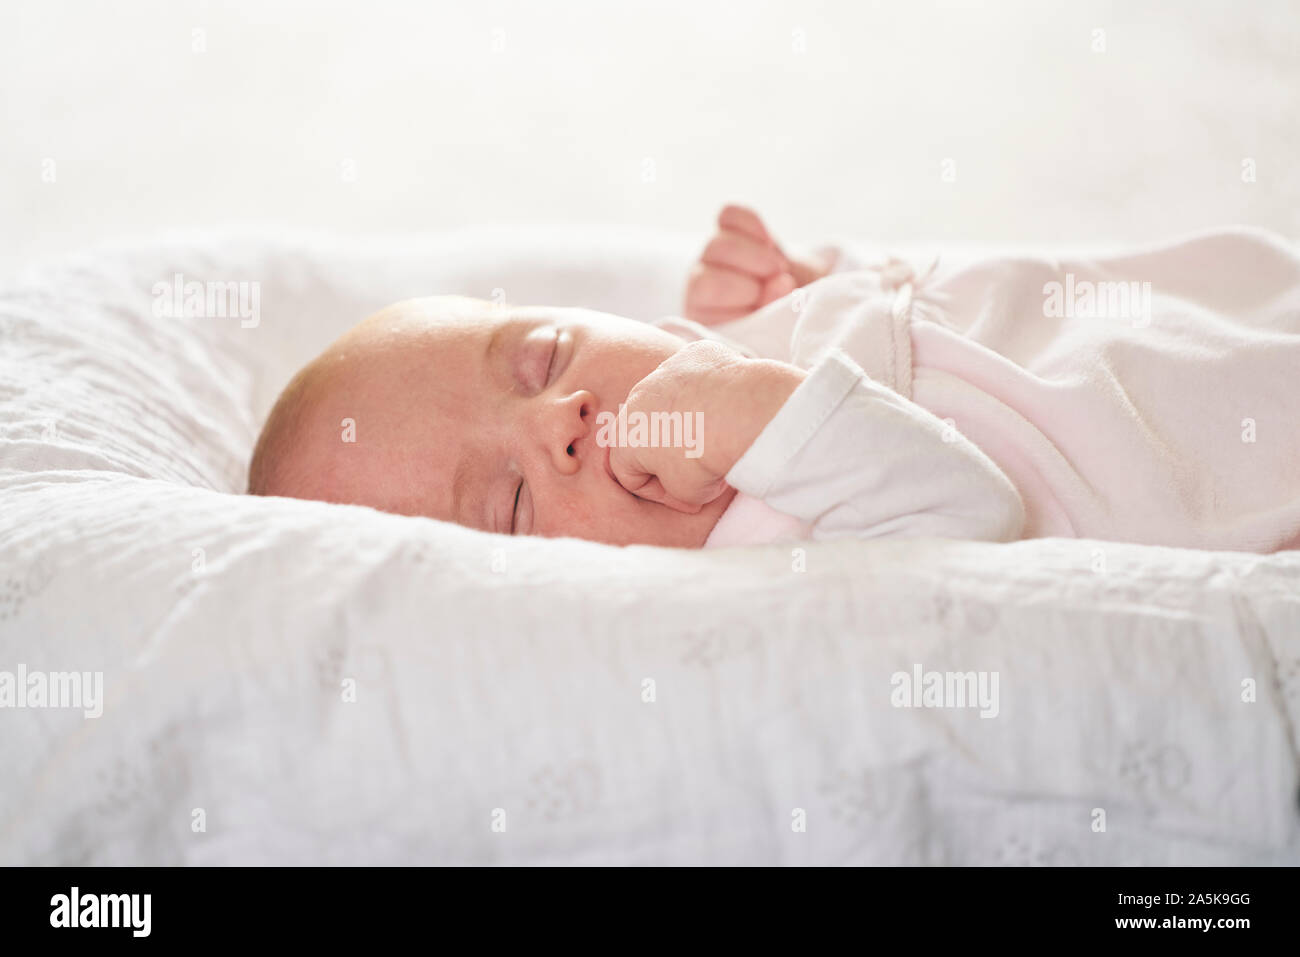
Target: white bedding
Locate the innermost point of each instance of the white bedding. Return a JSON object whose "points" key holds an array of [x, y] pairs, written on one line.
{"points": [[495, 673]]}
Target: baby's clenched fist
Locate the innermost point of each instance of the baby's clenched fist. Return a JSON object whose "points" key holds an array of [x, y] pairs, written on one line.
{"points": [[686, 424], [742, 269]]}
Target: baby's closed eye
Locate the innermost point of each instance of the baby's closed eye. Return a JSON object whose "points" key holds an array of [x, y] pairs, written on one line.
{"points": [[535, 363]]}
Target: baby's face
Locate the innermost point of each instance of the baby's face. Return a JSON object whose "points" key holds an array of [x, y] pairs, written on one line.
{"points": [[485, 416]]}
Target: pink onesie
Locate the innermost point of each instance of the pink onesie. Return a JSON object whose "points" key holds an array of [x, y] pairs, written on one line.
{"points": [[1151, 397]]}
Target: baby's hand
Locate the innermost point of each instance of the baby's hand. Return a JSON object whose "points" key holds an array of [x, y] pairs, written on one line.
{"points": [[722, 402], [742, 269]]}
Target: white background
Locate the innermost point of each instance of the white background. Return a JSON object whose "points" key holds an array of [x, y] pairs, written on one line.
{"points": [[650, 114]]}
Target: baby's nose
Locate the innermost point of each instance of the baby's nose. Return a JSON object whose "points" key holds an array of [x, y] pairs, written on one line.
{"points": [[569, 432]]}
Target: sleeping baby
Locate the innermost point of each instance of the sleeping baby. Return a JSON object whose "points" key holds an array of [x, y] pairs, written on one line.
{"points": [[1152, 397]]}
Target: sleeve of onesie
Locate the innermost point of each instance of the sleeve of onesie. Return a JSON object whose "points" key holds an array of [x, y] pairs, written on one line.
{"points": [[855, 459]]}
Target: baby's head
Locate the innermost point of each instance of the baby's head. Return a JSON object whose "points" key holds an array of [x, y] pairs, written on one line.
{"points": [[475, 413]]}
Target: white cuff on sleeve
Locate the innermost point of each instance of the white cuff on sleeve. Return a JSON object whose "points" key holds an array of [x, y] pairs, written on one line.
{"points": [[797, 421]]}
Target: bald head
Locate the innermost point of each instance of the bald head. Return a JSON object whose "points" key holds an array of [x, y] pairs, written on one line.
{"points": [[275, 469], [302, 450]]}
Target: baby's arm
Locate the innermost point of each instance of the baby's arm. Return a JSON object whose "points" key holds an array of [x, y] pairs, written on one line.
{"points": [[829, 446], [855, 459]]}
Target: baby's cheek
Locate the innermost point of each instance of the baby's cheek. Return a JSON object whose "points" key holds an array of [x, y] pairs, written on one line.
{"points": [[574, 513], [608, 513]]}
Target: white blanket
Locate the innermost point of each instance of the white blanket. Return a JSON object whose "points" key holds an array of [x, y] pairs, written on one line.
{"points": [[601, 705]]}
